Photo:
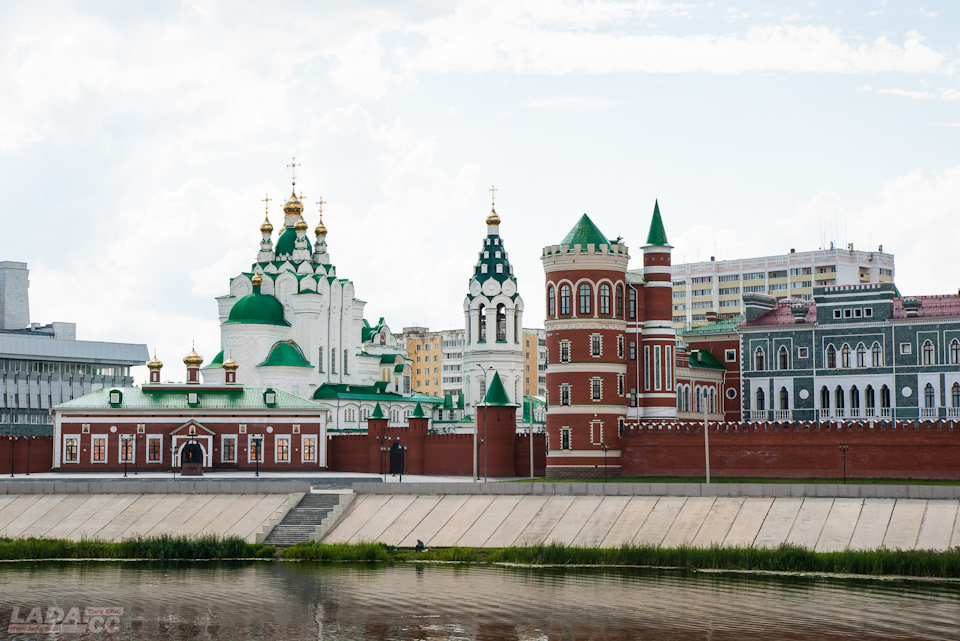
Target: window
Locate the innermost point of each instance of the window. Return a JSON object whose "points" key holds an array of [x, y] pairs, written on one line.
{"points": [[309, 453], [595, 345], [861, 355], [928, 356], [283, 449], [758, 359], [824, 399], [905, 349], [620, 384], [565, 394], [845, 356], [228, 449], [346, 362], [730, 355], [761, 402], [619, 303], [668, 367], [803, 352], [854, 401], [928, 396], [633, 397], [885, 400], [320, 359], [482, 334], [585, 297], [633, 351], [564, 351], [831, 357], [870, 400], [656, 367], [838, 397], [876, 355], [333, 361], [501, 324], [955, 395], [783, 358], [954, 352], [620, 346], [255, 448], [98, 449], [565, 301], [604, 299], [646, 367], [71, 449], [837, 313], [564, 438], [632, 303], [595, 389], [126, 449], [550, 301]]}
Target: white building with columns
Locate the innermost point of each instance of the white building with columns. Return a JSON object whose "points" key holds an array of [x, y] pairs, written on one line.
{"points": [[493, 317]]}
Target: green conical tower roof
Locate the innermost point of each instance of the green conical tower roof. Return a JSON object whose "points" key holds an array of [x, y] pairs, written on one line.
{"points": [[584, 233], [657, 235], [377, 412], [497, 393], [418, 411]]}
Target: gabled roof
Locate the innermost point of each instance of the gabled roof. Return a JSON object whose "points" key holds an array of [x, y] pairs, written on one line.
{"points": [[930, 306], [725, 326], [657, 235], [497, 393], [584, 233], [242, 398], [376, 392], [703, 359], [285, 354]]}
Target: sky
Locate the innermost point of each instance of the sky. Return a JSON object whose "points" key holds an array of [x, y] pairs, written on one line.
{"points": [[137, 141]]}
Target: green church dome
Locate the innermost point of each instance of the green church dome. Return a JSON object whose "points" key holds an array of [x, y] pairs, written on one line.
{"points": [[287, 242], [257, 309]]}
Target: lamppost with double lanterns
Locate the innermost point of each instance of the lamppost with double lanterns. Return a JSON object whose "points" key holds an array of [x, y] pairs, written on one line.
{"points": [[843, 448], [605, 446]]}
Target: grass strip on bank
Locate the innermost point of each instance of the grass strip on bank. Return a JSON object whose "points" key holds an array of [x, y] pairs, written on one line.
{"points": [[160, 548], [785, 558], [745, 479]]}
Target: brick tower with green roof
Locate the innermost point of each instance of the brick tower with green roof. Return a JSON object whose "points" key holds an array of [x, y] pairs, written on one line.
{"points": [[659, 336], [493, 317]]}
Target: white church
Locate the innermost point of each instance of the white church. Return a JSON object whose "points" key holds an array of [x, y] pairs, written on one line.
{"points": [[291, 323]]}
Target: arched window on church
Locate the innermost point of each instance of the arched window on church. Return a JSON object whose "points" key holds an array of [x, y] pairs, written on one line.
{"points": [[632, 308], [501, 323], [585, 294], [482, 336], [565, 299], [761, 401], [346, 361], [550, 301], [320, 360], [619, 303], [831, 357]]}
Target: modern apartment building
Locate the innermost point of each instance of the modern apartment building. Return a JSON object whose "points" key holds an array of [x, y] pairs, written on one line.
{"points": [[534, 362], [44, 365], [719, 285]]}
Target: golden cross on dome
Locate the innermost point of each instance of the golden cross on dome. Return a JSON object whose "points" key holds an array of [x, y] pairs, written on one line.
{"points": [[493, 194], [301, 196], [320, 202], [293, 165], [267, 200]]}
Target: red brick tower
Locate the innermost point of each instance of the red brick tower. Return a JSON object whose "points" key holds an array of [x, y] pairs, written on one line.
{"points": [[657, 376], [586, 368]]}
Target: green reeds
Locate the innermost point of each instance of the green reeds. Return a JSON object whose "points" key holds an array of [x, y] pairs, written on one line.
{"points": [[154, 548], [312, 551]]}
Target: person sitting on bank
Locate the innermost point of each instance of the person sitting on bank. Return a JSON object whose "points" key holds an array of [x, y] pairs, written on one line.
{"points": [[420, 546]]}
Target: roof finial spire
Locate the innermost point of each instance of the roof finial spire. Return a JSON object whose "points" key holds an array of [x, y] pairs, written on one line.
{"points": [[493, 218], [293, 165], [266, 227], [321, 229]]}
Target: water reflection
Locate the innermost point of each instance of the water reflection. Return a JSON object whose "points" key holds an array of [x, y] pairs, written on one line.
{"points": [[334, 601]]}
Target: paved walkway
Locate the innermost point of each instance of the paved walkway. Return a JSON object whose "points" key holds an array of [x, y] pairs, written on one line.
{"points": [[820, 524]]}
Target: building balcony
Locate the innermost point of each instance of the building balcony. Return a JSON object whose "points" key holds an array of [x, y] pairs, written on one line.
{"points": [[953, 412], [781, 415], [928, 412], [758, 415], [823, 414], [885, 412], [854, 412]]}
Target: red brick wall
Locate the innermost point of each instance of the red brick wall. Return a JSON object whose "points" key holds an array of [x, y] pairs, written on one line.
{"points": [[450, 455], [348, 453], [41, 455], [927, 451], [521, 454]]}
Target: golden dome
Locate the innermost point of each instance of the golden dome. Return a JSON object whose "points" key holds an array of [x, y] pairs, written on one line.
{"points": [[293, 206], [321, 229], [301, 224], [493, 219], [154, 363], [256, 278], [266, 227], [230, 365], [193, 359]]}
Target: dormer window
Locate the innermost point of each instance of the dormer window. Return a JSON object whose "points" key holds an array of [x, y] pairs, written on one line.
{"points": [[193, 398], [115, 397], [499, 268], [270, 397], [483, 269]]}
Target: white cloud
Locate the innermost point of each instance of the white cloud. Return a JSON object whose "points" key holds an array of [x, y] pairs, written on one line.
{"points": [[926, 94], [572, 102]]}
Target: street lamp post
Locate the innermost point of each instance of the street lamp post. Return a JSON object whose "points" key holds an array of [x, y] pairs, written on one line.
{"points": [[843, 448], [605, 446], [257, 446], [173, 460]]}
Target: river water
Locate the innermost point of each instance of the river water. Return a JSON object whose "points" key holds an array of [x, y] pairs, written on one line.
{"points": [[241, 601]]}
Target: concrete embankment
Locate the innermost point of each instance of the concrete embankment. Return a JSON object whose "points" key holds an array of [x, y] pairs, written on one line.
{"points": [[822, 518], [116, 510]]}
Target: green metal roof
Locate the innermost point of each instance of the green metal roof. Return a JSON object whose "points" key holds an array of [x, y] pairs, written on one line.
{"points": [[460, 402], [657, 235], [386, 359], [285, 354], [633, 277], [703, 359], [375, 392], [242, 398], [286, 243], [377, 412], [448, 401], [493, 245], [720, 327], [496, 394], [257, 309], [418, 411], [216, 363], [530, 402], [584, 233]]}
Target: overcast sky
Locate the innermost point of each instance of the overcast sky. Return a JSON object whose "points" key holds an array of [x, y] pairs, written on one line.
{"points": [[138, 139]]}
